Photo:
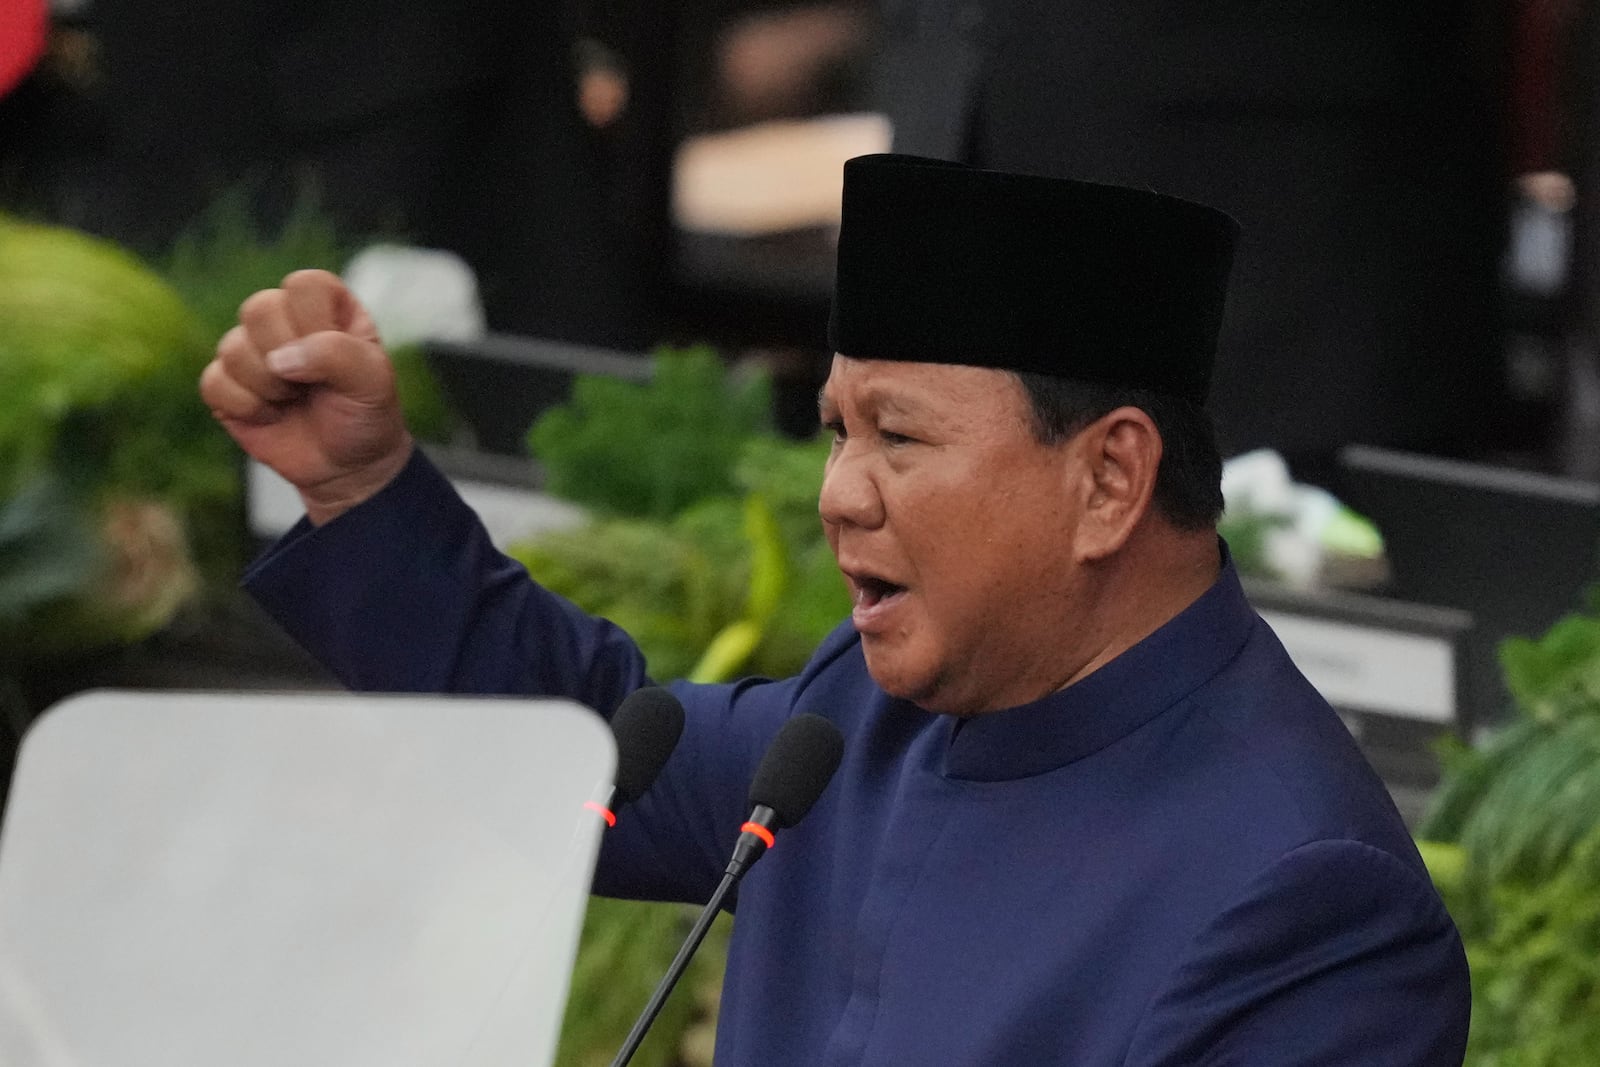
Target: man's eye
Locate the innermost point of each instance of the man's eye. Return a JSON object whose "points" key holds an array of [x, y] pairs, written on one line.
{"points": [[836, 429], [890, 437]]}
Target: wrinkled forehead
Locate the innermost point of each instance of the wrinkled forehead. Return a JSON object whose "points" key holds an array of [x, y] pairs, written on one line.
{"points": [[946, 390]]}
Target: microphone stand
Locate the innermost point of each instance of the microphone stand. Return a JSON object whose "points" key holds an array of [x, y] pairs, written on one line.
{"points": [[754, 840], [679, 962]]}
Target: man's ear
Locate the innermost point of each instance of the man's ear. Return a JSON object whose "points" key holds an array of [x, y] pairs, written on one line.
{"points": [[1121, 452]]}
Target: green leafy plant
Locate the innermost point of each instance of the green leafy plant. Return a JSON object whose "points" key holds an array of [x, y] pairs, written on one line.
{"points": [[653, 449], [807, 598], [669, 584], [707, 547], [85, 330], [227, 253], [95, 351], [626, 947], [1513, 842]]}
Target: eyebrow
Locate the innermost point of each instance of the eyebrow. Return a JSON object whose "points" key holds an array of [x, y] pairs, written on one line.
{"points": [[881, 399]]}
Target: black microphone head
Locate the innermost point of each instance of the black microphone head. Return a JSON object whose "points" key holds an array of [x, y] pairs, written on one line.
{"points": [[797, 767], [647, 726]]}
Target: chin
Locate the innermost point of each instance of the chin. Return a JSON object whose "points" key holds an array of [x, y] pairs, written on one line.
{"points": [[903, 682]]}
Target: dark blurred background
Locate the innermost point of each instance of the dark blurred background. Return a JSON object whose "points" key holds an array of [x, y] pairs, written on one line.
{"points": [[1415, 181]]}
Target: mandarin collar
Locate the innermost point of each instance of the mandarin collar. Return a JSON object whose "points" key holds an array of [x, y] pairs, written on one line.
{"points": [[1114, 701]]}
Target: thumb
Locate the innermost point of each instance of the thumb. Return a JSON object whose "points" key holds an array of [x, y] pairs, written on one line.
{"points": [[348, 365]]}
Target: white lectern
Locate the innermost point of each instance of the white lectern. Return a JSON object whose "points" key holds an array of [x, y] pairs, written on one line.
{"points": [[192, 880]]}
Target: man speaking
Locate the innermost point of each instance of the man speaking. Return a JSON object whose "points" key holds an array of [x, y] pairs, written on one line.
{"points": [[1089, 812]]}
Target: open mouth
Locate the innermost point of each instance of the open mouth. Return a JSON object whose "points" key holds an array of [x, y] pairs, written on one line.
{"points": [[874, 599], [872, 591]]}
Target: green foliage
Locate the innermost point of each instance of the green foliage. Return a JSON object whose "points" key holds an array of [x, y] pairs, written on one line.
{"points": [[1521, 805], [98, 362], [428, 416], [751, 574], [651, 450], [1521, 802], [787, 476], [1558, 675], [708, 550], [1534, 950], [627, 946], [1520, 865], [671, 585], [1246, 534], [86, 330], [226, 255]]}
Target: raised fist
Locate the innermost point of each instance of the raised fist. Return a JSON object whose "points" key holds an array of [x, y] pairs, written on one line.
{"points": [[304, 385]]}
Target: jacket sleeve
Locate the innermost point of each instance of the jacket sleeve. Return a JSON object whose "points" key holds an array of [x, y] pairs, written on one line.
{"points": [[1339, 953], [406, 593]]}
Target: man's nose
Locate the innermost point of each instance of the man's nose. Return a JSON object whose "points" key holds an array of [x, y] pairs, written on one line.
{"points": [[849, 494]]}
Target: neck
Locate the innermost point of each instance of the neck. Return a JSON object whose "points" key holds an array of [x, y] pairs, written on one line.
{"points": [[1159, 572]]}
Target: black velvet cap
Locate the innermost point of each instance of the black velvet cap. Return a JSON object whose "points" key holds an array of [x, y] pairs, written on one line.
{"points": [[944, 263]]}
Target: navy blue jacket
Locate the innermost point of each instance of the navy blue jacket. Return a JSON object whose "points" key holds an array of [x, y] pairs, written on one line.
{"points": [[1181, 859]]}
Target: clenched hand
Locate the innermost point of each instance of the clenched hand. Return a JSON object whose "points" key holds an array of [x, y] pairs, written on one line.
{"points": [[304, 385]]}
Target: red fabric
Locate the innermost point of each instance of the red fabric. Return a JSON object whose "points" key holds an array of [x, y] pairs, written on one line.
{"points": [[24, 25]]}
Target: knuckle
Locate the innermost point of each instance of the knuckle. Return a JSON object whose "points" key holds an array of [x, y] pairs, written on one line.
{"points": [[234, 405], [234, 347], [233, 338], [309, 278], [249, 410], [209, 380], [228, 396], [246, 406], [261, 306]]}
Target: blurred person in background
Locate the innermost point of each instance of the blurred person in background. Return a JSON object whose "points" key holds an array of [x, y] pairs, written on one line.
{"points": [[1555, 155]]}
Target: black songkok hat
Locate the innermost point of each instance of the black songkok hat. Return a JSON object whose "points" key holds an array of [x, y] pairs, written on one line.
{"points": [[944, 263]]}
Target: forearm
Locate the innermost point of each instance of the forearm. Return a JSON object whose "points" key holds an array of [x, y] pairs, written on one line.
{"points": [[406, 593]]}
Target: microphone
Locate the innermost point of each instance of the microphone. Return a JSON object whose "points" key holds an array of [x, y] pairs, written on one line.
{"points": [[795, 770], [792, 775], [646, 727]]}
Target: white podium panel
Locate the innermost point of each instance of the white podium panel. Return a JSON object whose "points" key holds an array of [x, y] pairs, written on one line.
{"points": [[1363, 667], [189, 880]]}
